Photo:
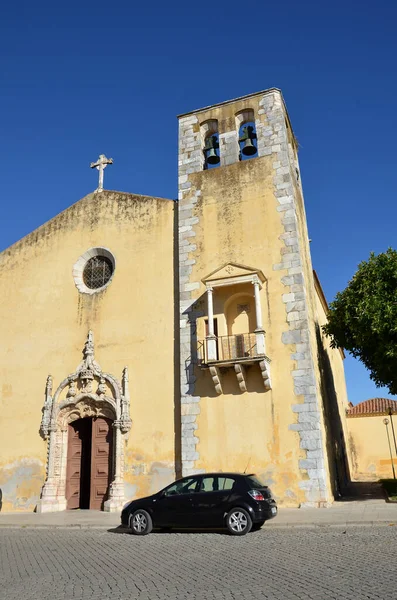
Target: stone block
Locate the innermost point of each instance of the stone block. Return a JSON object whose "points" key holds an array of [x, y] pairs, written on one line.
{"points": [[301, 390], [288, 298], [190, 455], [295, 306], [188, 427], [287, 280], [184, 270], [299, 372], [315, 454], [190, 399], [303, 427], [190, 409], [310, 418], [188, 287], [189, 442], [308, 463], [286, 253], [298, 408], [313, 435], [316, 473], [291, 241], [308, 444], [292, 226], [187, 465], [281, 266], [192, 221], [294, 270], [188, 419], [186, 233], [293, 316], [297, 288], [291, 337]]}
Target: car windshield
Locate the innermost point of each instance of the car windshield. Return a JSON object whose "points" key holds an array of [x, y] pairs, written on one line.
{"points": [[255, 482]]}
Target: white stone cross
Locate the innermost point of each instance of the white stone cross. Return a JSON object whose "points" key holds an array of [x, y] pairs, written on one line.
{"points": [[101, 164]]}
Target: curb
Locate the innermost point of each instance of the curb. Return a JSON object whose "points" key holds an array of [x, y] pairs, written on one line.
{"points": [[289, 525], [345, 524], [54, 526]]}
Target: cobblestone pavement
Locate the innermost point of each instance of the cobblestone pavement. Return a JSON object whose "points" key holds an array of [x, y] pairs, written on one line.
{"points": [[322, 564]]}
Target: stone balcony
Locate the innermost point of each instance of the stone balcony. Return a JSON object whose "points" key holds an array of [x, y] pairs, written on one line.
{"points": [[234, 352]]}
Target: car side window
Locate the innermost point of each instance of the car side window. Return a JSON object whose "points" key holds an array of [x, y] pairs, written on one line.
{"points": [[215, 484], [209, 484], [226, 483], [184, 486]]}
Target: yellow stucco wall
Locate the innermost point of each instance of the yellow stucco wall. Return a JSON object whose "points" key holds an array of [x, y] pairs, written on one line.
{"points": [[44, 322], [239, 431], [371, 459]]}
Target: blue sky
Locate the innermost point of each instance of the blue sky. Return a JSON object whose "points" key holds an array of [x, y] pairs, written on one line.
{"points": [[78, 79]]}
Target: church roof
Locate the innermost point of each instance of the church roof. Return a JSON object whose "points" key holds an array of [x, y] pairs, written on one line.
{"points": [[372, 407]]}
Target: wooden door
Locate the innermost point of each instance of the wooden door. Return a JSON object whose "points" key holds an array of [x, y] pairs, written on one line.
{"points": [[78, 463], [73, 470], [101, 461]]}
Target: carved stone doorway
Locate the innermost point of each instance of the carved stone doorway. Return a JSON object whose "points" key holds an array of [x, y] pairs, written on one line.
{"points": [[89, 463], [85, 464]]}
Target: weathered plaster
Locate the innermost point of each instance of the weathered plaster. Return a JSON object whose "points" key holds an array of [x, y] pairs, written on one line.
{"points": [[20, 484]]}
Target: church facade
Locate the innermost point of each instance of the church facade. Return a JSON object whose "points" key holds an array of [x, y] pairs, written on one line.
{"points": [[144, 339]]}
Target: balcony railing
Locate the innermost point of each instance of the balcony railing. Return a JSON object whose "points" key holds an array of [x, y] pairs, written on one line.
{"points": [[229, 347]]}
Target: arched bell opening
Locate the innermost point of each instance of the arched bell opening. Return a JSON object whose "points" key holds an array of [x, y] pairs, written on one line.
{"points": [[247, 138], [210, 143]]}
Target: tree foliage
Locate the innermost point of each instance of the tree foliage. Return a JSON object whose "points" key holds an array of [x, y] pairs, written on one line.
{"points": [[363, 318]]}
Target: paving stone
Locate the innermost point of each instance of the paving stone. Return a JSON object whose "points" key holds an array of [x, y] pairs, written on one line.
{"points": [[286, 564]]}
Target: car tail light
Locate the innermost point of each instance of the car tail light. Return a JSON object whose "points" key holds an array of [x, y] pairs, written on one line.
{"points": [[256, 495]]}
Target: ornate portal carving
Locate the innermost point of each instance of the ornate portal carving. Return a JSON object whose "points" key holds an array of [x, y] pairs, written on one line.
{"points": [[111, 400]]}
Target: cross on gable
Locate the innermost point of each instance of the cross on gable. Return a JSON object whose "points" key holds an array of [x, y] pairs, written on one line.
{"points": [[101, 164]]}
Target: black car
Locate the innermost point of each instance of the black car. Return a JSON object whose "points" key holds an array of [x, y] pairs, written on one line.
{"points": [[238, 502]]}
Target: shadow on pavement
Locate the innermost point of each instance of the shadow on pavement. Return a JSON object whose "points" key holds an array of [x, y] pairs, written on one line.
{"points": [[126, 531]]}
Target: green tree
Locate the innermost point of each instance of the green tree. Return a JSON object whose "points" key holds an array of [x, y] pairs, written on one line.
{"points": [[363, 318]]}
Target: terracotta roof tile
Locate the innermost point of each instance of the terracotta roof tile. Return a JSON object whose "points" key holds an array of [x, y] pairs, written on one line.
{"points": [[374, 406]]}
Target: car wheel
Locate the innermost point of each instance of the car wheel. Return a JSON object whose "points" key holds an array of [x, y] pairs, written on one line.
{"points": [[238, 521], [140, 522], [257, 526]]}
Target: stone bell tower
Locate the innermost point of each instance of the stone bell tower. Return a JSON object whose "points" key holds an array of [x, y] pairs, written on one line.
{"points": [[243, 237]]}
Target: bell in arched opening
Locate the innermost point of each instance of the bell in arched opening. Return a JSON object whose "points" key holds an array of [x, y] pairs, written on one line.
{"points": [[247, 138], [210, 150]]}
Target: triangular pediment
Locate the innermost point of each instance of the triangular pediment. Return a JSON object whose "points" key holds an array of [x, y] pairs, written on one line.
{"points": [[232, 270]]}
